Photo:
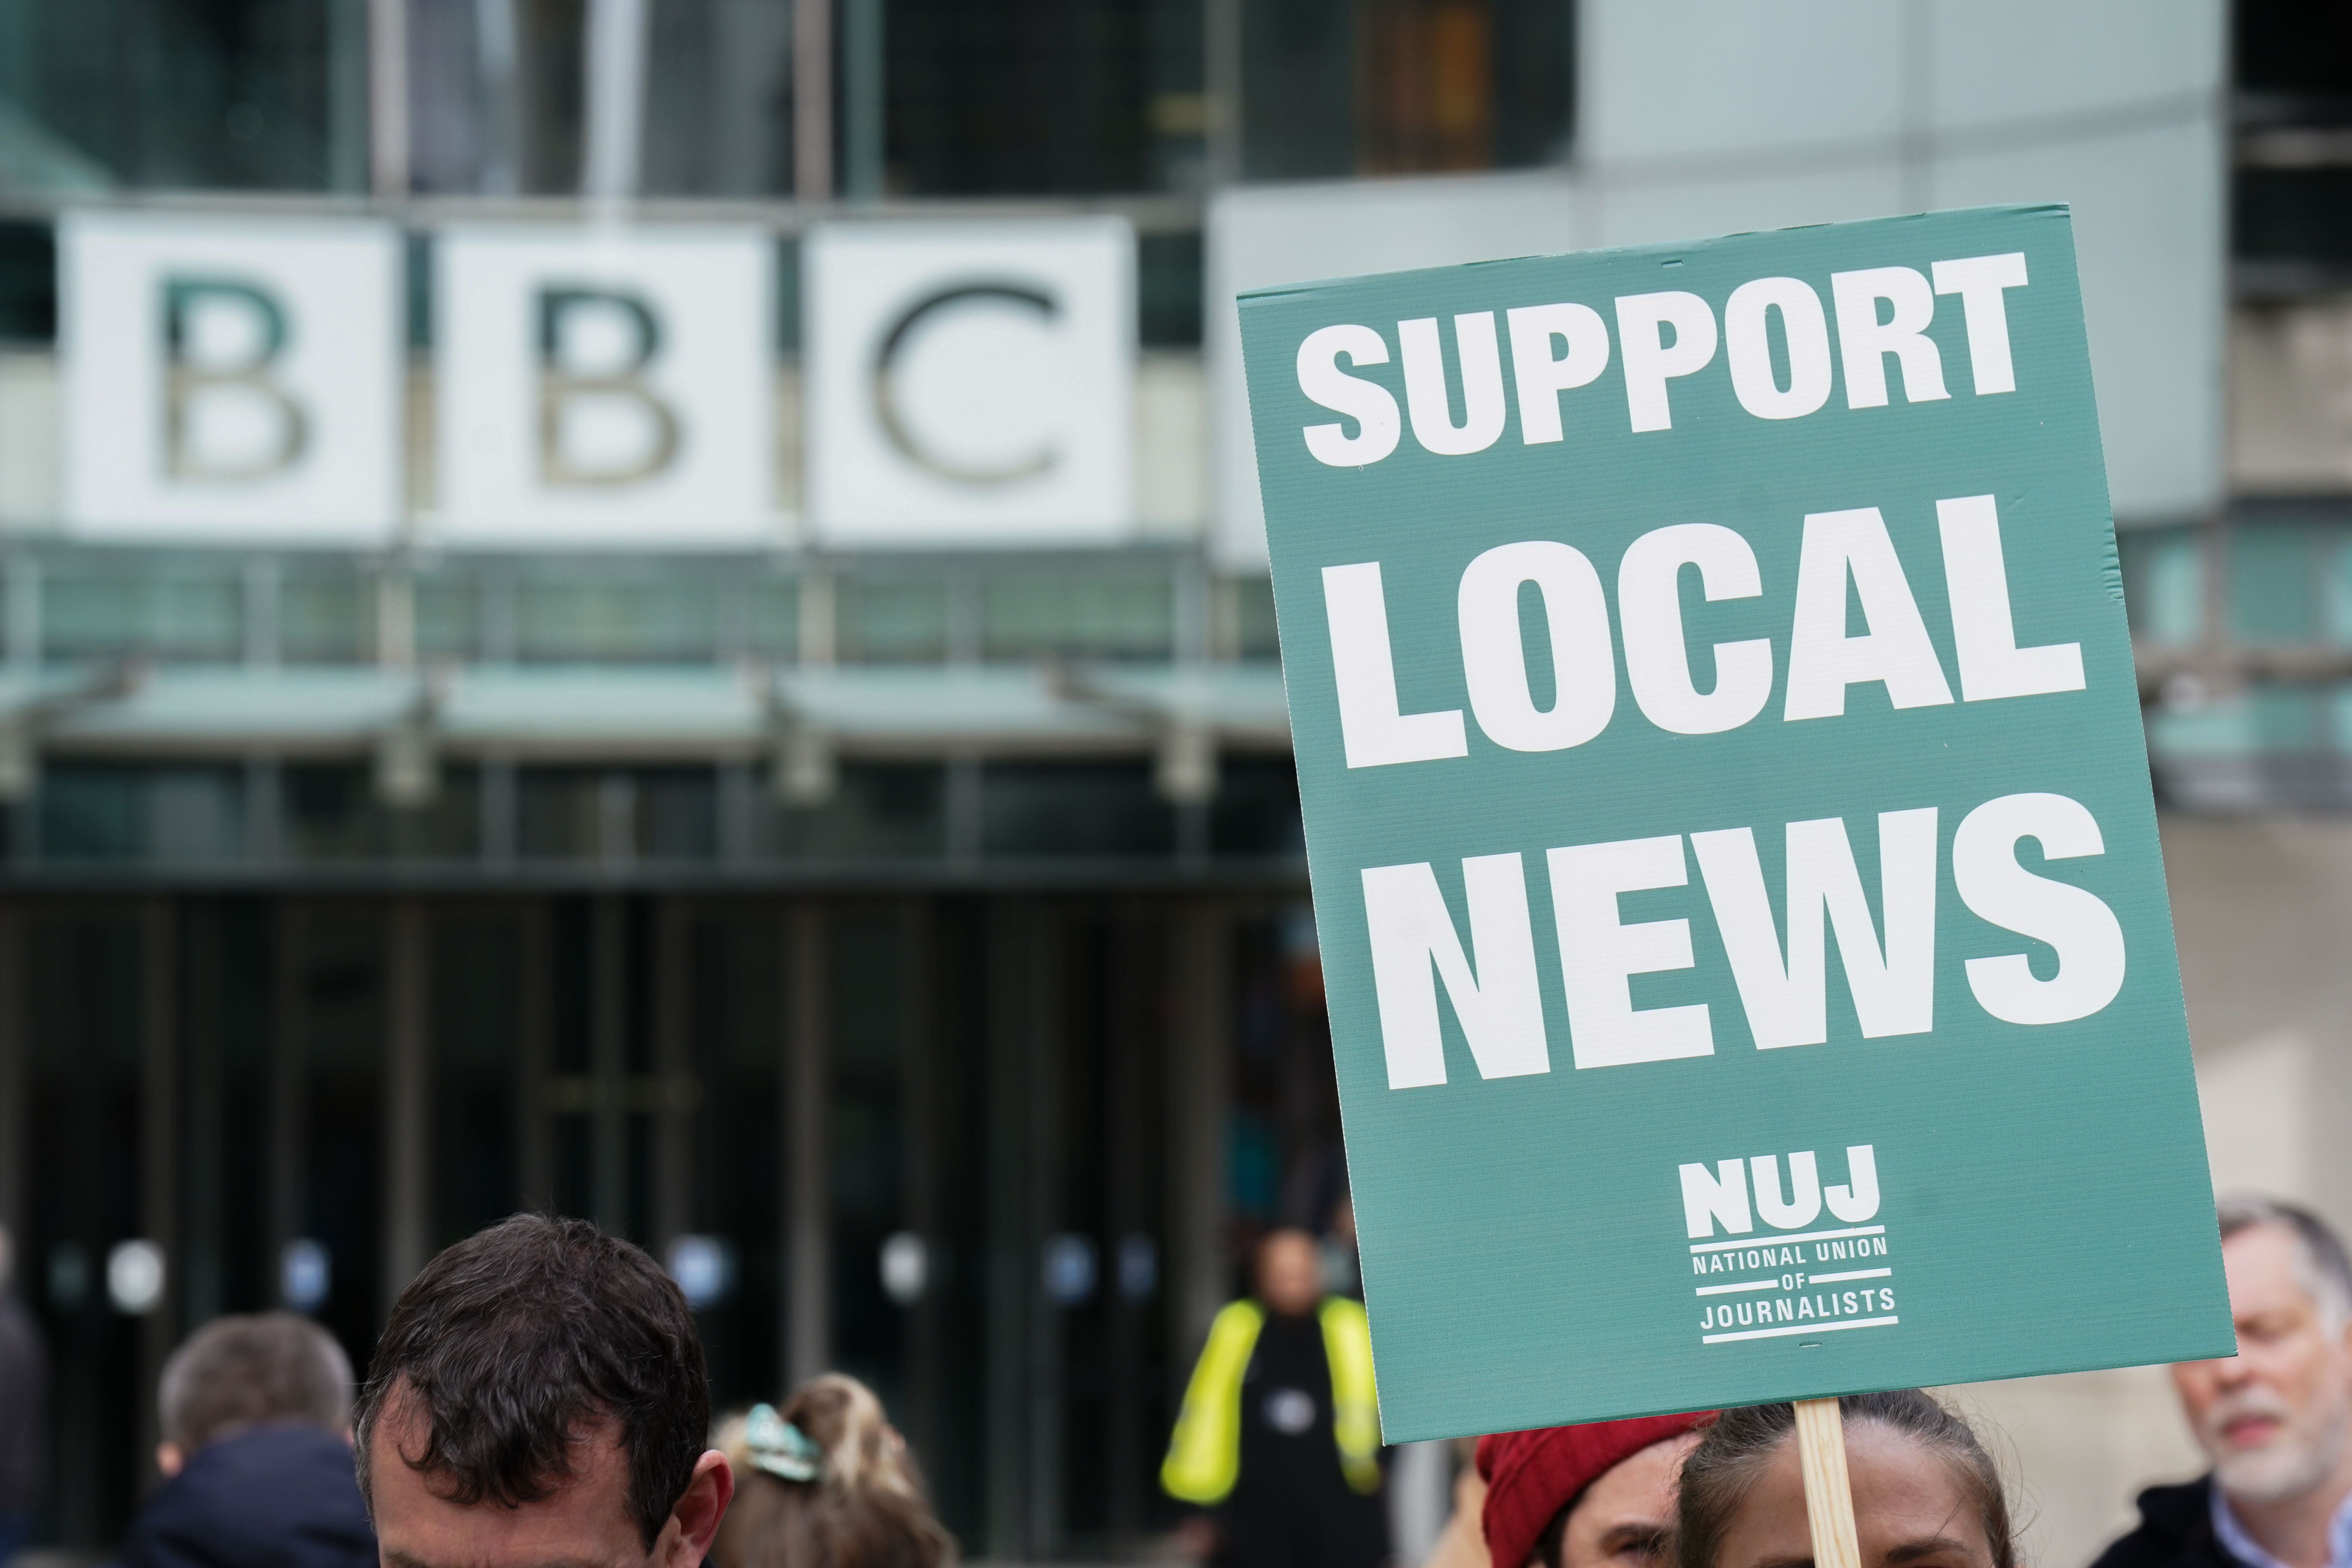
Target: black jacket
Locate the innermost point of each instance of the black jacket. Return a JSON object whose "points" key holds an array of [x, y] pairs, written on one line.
{"points": [[2176, 1530], [24, 1383], [277, 1497]]}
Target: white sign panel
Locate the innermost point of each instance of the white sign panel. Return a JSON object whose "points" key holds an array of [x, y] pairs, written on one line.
{"points": [[970, 383], [230, 377], [1771, 117], [604, 387]]}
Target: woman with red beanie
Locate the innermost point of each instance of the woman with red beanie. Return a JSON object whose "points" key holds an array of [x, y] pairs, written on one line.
{"points": [[1597, 1495]]}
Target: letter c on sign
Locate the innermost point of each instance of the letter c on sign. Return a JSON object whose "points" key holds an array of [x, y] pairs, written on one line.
{"points": [[893, 421]]}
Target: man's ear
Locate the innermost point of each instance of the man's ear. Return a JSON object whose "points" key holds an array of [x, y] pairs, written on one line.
{"points": [[169, 1460], [697, 1513]]}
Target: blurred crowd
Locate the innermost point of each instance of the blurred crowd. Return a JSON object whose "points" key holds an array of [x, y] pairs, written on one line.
{"points": [[539, 1400]]}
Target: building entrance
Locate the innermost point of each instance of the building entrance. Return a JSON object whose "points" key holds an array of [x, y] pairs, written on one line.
{"points": [[998, 1152]]}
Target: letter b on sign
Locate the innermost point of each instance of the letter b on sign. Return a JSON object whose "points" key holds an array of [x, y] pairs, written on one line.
{"points": [[225, 417], [234, 378], [599, 422]]}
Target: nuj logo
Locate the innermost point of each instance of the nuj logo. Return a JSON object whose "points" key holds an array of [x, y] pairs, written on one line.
{"points": [[1806, 1274], [1721, 1196]]}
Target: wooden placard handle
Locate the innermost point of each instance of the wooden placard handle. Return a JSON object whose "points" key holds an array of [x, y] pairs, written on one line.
{"points": [[1829, 1496]]}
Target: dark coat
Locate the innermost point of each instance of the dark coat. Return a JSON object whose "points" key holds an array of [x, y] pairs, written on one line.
{"points": [[277, 1497], [24, 1383], [2176, 1530]]}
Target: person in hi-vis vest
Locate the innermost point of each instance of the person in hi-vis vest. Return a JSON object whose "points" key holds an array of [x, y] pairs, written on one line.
{"points": [[1279, 1436]]}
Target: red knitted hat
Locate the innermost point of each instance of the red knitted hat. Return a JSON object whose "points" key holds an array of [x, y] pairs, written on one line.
{"points": [[1531, 1476]]}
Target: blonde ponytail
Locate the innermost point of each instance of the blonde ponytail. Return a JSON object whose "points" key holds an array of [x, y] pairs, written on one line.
{"points": [[827, 1483]]}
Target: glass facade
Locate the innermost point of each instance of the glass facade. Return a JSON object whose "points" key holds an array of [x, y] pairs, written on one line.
{"points": [[861, 969], [1010, 1079], [2291, 208]]}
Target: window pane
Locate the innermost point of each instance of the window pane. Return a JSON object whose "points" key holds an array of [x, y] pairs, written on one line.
{"points": [[617, 618], [880, 810], [894, 622], [334, 815], [100, 609], [449, 615], [325, 616], [2270, 580], [719, 98], [558, 807], [185, 816], [1042, 97], [237, 93], [1255, 811], [2164, 583], [773, 617], [676, 813], [1074, 808], [1254, 629], [1027, 617], [1345, 87]]}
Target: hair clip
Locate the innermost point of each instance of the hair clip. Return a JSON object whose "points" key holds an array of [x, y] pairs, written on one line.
{"points": [[781, 1448]]}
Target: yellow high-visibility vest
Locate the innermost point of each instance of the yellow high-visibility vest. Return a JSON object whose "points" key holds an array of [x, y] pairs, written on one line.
{"points": [[1204, 1455]]}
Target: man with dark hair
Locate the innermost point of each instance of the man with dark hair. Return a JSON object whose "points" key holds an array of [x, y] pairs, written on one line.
{"points": [[256, 1454], [2275, 1419], [539, 1397]]}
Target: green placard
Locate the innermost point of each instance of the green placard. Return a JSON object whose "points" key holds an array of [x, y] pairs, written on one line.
{"points": [[1741, 909]]}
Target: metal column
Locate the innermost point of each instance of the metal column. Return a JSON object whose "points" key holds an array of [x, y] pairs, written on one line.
{"points": [[407, 1068], [289, 1099], [813, 99], [534, 1053], [1012, 1242], [920, 1108], [1043, 1160], [674, 1072], [613, 136], [808, 1290], [1199, 982], [159, 1149], [608, 1062], [1133, 1003], [388, 97]]}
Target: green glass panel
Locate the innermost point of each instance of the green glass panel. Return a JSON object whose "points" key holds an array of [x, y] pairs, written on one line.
{"points": [[449, 615], [1253, 634], [617, 618], [2285, 718], [86, 614], [171, 814], [325, 616], [1027, 617], [2164, 584], [191, 611], [2335, 590], [93, 813], [891, 622], [772, 617], [2271, 597], [2208, 729]]}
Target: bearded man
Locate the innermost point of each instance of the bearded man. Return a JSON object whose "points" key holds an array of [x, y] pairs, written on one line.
{"points": [[2274, 1418]]}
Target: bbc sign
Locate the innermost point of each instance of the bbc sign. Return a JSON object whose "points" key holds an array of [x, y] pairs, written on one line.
{"points": [[245, 379], [231, 377]]}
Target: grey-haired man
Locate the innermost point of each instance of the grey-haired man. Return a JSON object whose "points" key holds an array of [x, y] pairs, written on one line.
{"points": [[2275, 1419]]}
